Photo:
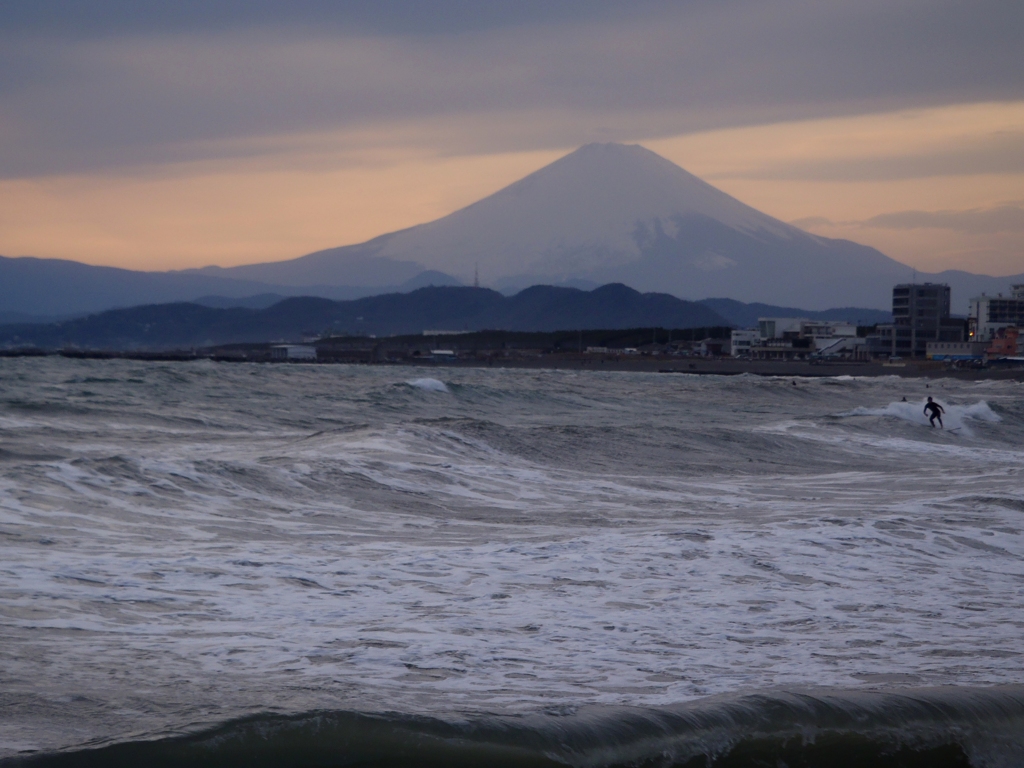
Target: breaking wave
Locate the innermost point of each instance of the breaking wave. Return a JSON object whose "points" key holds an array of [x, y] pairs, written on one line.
{"points": [[933, 728], [431, 385], [954, 418]]}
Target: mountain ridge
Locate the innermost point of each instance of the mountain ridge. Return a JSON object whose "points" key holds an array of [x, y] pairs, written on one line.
{"points": [[605, 213], [746, 315], [60, 287], [621, 213], [541, 308]]}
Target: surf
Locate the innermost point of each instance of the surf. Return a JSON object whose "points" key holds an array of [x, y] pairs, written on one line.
{"points": [[561, 560], [923, 728], [429, 385], [955, 418]]}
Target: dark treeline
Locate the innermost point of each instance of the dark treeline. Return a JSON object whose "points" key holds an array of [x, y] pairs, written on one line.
{"points": [[537, 309], [570, 341], [373, 349]]}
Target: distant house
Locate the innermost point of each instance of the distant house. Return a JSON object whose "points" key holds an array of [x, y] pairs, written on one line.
{"points": [[713, 347]]}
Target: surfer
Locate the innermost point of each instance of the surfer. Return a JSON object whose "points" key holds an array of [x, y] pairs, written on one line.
{"points": [[934, 411]]}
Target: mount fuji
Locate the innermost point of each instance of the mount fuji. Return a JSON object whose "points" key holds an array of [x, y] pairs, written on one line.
{"points": [[621, 213], [605, 213]]}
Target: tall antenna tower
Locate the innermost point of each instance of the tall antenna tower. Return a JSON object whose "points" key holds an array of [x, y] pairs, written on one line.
{"points": [[476, 275]]}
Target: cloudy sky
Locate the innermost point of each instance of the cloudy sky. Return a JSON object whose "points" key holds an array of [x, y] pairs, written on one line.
{"points": [[159, 135]]}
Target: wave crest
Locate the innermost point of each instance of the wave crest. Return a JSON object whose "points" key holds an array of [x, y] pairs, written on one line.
{"points": [[431, 385], [955, 416], [937, 728]]}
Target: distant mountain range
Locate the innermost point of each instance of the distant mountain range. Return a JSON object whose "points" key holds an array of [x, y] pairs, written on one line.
{"points": [[535, 309], [617, 213], [606, 213], [736, 312], [41, 289], [746, 315], [540, 308]]}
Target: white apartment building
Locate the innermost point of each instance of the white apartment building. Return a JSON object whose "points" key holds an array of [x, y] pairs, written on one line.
{"points": [[742, 341], [784, 338], [824, 332], [990, 314]]}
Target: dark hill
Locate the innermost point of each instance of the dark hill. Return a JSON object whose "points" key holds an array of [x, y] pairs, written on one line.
{"points": [[540, 308], [59, 289]]}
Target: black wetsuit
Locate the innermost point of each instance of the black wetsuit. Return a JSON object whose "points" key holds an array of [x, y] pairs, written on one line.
{"points": [[936, 412]]}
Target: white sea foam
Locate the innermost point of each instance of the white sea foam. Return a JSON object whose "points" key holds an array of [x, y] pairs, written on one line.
{"points": [[955, 417], [432, 385]]}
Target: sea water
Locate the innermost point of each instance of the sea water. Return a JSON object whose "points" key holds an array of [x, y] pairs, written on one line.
{"points": [[306, 565]]}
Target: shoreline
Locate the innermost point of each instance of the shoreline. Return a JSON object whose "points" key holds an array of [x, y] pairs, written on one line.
{"points": [[729, 367], [585, 362]]}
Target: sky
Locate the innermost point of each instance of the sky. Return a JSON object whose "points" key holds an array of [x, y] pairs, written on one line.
{"points": [[155, 135]]}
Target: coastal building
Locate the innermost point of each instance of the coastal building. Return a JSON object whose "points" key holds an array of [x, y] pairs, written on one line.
{"points": [[742, 340], [827, 329], [846, 346], [283, 352], [834, 338], [801, 327], [990, 314], [1007, 342], [779, 327], [961, 351], [791, 348], [710, 347], [797, 338], [920, 314]]}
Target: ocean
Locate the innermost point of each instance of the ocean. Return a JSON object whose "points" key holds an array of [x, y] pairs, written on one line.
{"points": [[219, 564]]}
